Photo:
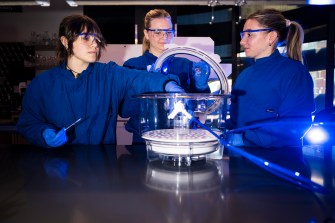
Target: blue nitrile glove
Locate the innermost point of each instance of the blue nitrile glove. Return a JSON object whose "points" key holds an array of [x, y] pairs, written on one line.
{"points": [[173, 87], [200, 74], [54, 138]]}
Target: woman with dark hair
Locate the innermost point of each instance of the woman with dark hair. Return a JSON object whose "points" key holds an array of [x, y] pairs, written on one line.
{"points": [[77, 102], [272, 100]]}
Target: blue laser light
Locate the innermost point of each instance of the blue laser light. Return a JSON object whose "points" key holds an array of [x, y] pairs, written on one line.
{"points": [[317, 135], [291, 176]]}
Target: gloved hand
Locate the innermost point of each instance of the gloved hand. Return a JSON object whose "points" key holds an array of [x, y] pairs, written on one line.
{"points": [[173, 87], [54, 138], [200, 74]]}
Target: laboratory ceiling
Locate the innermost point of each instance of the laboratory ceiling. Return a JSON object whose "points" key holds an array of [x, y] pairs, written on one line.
{"points": [[187, 2], [74, 3]]}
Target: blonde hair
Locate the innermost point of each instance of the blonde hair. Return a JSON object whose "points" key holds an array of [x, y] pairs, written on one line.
{"points": [[288, 31], [152, 14]]}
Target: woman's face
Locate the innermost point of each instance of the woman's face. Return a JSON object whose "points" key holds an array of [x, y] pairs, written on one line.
{"points": [[158, 39], [85, 48], [259, 42]]}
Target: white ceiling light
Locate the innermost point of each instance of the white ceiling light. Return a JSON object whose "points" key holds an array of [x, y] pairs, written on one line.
{"points": [[71, 3], [43, 3], [320, 2], [25, 3]]}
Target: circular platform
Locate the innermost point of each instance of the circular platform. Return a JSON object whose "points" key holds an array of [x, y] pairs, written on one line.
{"points": [[182, 142]]}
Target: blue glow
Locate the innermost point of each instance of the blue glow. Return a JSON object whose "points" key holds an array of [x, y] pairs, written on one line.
{"points": [[56, 167], [270, 167], [320, 2], [312, 221], [317, 135]]}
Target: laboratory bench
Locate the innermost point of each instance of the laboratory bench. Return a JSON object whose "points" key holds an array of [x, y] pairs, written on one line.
{"points": [[9, 134], [77, 183]]}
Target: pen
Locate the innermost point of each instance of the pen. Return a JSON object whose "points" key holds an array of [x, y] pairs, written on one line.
{"points": [[74, 123]]}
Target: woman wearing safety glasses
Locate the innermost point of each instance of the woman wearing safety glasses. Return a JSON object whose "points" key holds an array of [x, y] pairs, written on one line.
{"points": [[158, 31], [272, 100], [77, 102]]}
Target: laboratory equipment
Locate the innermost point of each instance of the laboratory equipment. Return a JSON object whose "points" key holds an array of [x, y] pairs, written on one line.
{"points": [[165, 117]]}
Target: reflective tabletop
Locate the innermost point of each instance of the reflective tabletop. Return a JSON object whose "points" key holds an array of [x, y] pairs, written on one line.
{"points": [[89, 184]]}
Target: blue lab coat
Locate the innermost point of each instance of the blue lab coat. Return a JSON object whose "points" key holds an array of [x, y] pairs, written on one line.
{"points": [[275, 93], [55, 99]]}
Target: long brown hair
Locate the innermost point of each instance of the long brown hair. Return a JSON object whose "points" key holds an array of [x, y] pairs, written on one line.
{"points": [[288, 31]]}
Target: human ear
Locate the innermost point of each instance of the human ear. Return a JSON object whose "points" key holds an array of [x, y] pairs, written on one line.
{"points": [[64, 41], [146, 34], [273, 36]]}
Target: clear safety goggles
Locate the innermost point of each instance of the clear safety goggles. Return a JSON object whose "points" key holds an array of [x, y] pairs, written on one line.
{"points": [[250, 31], [160, 33], [88, 39]]}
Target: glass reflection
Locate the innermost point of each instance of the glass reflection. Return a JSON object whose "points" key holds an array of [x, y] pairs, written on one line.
{"points": [[193, 193]]}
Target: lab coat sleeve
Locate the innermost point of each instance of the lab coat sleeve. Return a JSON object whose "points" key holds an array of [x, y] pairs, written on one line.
{"points": [[134, 63], [137, 82], [31, 122]]}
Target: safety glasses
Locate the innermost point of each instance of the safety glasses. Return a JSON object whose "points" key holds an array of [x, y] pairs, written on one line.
{"points": [[160, 33], [250, 31], [88, 39]]}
